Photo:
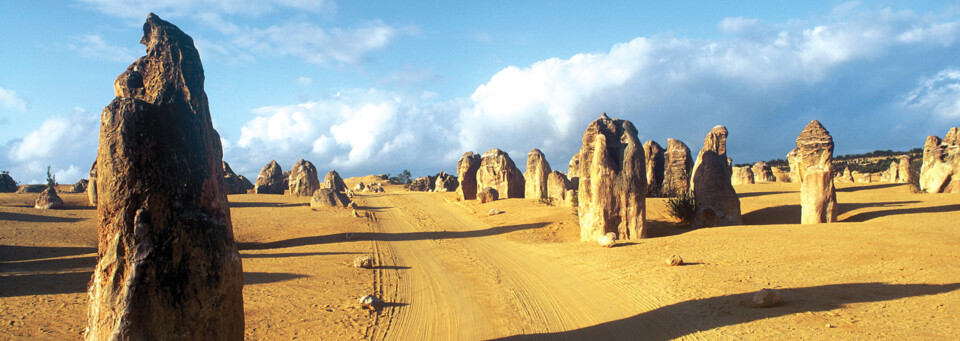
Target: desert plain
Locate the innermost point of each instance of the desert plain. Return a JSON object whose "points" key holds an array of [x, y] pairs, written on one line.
{"points": [[888, 269]]}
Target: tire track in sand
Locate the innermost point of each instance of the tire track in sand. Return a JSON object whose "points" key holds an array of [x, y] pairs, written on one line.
{"points": [[464, 283]]}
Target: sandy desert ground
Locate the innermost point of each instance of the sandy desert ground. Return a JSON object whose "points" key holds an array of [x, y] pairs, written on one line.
{"points": [[890, 269]]}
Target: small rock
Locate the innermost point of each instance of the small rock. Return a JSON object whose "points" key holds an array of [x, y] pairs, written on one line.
{"points": [[371, 302], [364, 262], [766, 298], [493, 211], [674, 260], [356, 214], [488, 194], [829, 325], [608, 240]]}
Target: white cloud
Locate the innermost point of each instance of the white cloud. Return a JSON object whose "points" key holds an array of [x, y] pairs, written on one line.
{"points": [[304, 81], [93, 46], [138, 9], [11, 101], [60, 142], [317, 45], [939, 94]]}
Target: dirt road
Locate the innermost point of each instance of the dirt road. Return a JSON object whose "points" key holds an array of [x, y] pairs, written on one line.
{"points": [[447, 277]]}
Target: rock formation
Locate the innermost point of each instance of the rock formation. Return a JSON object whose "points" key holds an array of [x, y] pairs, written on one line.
{"points": [[80, 186], [233, 181], [742, 176], [270, 180], [92, 185], [654, 165], [488, 194], [303, 179], [245, 183], [940, 172], [613, 181], [863, 178], [763, 173], [168, 266], [49, 199], [445, 183], [903, 172], [717, 201], [818, 199], [794, 168], [333, 181], [498, 171], [327, 197], [781, 175], [846, 176], [467, 174], [535, 178], [677, 168], [573, 169], [360, 186], [892, 174], [7, 184], [422, 184], [560, 191], [33, 188]]}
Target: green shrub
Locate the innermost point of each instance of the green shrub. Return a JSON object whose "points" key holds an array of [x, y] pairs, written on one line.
{"points": [[683, 207]]}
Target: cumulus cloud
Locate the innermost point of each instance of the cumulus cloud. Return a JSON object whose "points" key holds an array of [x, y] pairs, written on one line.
{"points": [[11, 101], [63, 142], [939, 94], [138, 9]]}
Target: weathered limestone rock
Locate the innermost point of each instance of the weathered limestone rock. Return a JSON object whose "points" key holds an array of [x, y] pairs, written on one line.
{"points": [[742, 176], [674, 260], [765, 298], [608, 240], [422, 184], [92, 185], [497, 170], [168, 266], [863, 178], [794, 168], [234, 184], [360, 186], [892, 174], [80, 186], [488, 194], [613, 182], [363, 262], [940, 172], [678, 165], [654, 165], [245, 184], [535, 178], [846, 176], [763, 173], [7, 184], [333, 181], [467, 174], [303, 179], [717, 201], [31, 188], [903, 172], [780, 174], [818, 199], [559, 190], [286, 180], [327, 197], [573, 170], [446, 183], [370, 302], [270, 179], [49, 200]]}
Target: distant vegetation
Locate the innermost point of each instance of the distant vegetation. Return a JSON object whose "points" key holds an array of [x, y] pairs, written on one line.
{"points": [[872, 162]]}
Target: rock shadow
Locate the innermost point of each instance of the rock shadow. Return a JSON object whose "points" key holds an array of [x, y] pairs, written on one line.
{"points": [[776, 215], [254, 278], [715, 312], [44, 284], [658, 228], [10, 253], [293, 254], [758, 194], [865, 187], [865, 216], [36, 218], [847, 207], [388, 237], [266, 204]]}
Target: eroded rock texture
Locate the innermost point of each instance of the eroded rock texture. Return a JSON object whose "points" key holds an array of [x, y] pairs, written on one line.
{"points": [[535, 178], [92, 185], [7, 184], [613, 183], [846, 176], [560, 190], [499, 172], [941, 164], [234, 182], [892, 174], [794, 168], [678, 165], [333, 181], [168, 266], [818, 199], [328, 197], [654, 164], [80, 186], [48, 199], [488, 194], [422, 184], [270, 179], [467, 174], [445, 183], [742, 176], [573, 170], [717, 201], [303, 179], [781, 175], [903, 172], [763, 173]]}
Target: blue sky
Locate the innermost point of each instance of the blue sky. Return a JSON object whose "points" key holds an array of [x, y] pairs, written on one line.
{"points": [[378, 87]]}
